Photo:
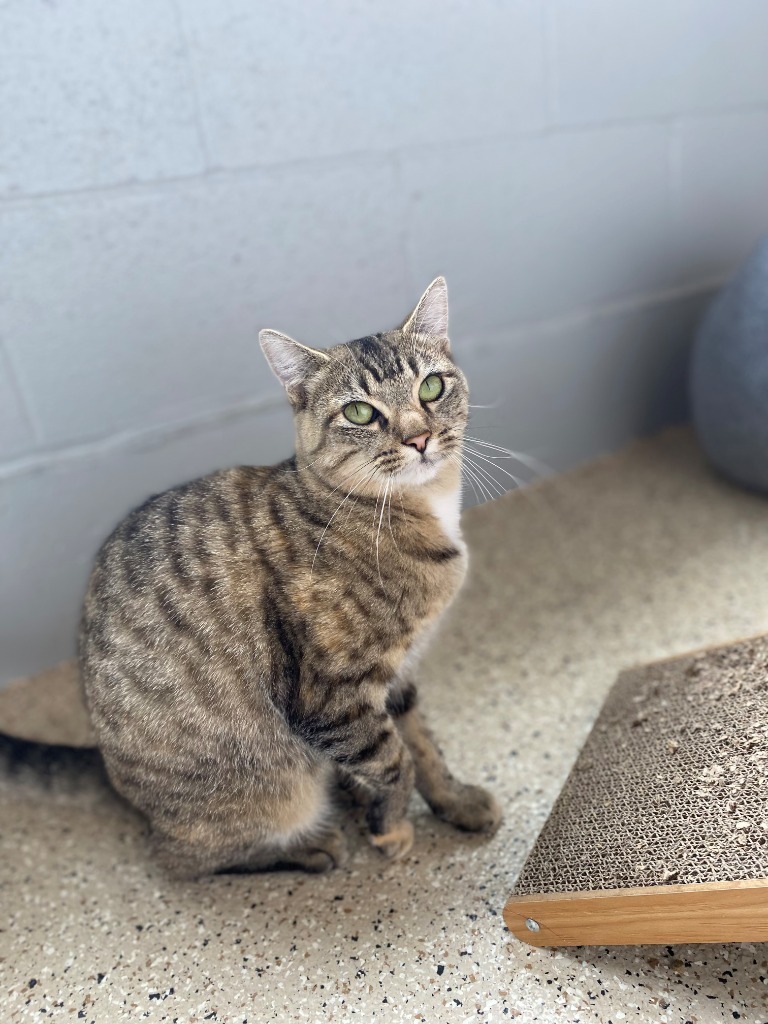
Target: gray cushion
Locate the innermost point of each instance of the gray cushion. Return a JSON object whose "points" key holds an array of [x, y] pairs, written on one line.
{"points": [[729, 376]]}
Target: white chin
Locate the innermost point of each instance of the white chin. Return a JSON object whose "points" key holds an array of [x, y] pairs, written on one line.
{"points": [[418, 473]]}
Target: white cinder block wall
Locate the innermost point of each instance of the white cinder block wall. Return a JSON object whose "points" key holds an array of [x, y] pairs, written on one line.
{"points": [[175, 174]]}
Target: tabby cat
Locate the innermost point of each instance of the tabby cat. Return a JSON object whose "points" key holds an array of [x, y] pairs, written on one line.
{"points": [[249, 639]]}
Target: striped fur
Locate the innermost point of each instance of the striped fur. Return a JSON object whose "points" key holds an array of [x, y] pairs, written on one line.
{"points": [[249, 636]]}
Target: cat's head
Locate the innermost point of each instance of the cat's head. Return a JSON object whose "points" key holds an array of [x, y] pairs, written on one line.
{"points": [[392, 406]]}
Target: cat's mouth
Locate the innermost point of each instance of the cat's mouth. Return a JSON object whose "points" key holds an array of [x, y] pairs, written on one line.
{"points": [[421, 470]]}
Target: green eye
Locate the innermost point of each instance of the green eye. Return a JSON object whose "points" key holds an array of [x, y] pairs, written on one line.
{"points": [[431, 388], [359, 412]]}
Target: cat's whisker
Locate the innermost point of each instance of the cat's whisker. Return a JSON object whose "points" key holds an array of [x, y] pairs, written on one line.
{"points": [[530, 461], [488, 494], [375, 513], [375, 538], [455, 457], [400, 495], [389, 517], [496, 487], [337, 509], [531, 495], [349, 475], [378, 532], [486, 458], [472, 484], [485, 494], [353, 504], [376, 506], [306, 465], [325, 530]]}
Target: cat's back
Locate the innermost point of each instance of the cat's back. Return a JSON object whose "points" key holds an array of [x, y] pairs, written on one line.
{"points": [[179, 581], [181, 537]]}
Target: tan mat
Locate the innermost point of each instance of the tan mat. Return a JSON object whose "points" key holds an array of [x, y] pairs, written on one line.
{"points": [[47, 707]]}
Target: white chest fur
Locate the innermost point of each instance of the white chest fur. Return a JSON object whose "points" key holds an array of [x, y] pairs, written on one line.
{"points": [[445, 505], [446, 508]]}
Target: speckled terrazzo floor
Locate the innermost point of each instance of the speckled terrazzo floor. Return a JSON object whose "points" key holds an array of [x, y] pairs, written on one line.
{"points": [[632, 558]]}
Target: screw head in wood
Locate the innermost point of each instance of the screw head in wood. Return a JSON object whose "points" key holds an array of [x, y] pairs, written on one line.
{"points": [[531, 925]]}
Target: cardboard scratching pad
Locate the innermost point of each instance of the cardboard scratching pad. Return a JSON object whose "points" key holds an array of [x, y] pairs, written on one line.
{"points": [[660, 833]]}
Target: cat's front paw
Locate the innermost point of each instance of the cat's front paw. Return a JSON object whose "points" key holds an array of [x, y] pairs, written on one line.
{"points": [[397, 842], [470, 808]]}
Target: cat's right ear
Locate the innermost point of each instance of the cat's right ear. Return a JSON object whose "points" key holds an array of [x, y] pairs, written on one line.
{"points": [[292, 363]]}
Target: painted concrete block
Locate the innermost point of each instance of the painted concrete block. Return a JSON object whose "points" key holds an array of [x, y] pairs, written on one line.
{"points": [[722, 194], [570, 391], [16, 433], [530, 229], [297, 80], [135, 310], [93, 94], [615, 61]]}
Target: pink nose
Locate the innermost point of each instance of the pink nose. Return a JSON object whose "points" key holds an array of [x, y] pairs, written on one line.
{"points": [[419, 442]]}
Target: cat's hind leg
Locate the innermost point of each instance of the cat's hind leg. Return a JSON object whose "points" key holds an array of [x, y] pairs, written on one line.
{"points": [[250, 828], [184, 859], [319, 853]]}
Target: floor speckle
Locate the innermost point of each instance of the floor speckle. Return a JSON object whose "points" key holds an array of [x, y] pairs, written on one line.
{"points": [[633, 558]]}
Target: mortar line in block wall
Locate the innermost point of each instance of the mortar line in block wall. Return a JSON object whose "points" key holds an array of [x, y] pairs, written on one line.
{"points": [[212, 175], [559, 127], [552, 78], [133, 440], [27, 409], [627, 304], [675, 172], [191, 70], [361, 157], [402, 220], [405, 212]]}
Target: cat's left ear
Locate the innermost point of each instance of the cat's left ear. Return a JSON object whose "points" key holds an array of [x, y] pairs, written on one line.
{"points": [[431, 313], [292, 363]]}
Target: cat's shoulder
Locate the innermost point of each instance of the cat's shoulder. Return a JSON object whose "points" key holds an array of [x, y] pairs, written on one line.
{"points": [[201, 499]]}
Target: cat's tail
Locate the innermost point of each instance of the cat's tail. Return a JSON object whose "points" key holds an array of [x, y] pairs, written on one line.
{"points": [[48, 763]]}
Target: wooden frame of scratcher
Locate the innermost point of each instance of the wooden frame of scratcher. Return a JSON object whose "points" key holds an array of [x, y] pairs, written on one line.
{"points": [[660, 833]]}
